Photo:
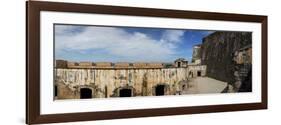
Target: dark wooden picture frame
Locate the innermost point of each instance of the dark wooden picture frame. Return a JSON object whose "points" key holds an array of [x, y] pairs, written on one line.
{"points": [[33, 9]]}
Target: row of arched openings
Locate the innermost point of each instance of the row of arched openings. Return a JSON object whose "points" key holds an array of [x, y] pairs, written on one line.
{"points": [[87, 93]]}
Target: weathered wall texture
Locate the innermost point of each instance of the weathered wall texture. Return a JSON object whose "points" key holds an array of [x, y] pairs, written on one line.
{"points": [[196, 54], [108, 82], [217, 52]]}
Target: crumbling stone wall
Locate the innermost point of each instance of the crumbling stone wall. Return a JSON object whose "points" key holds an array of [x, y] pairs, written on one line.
{"points": [[217, 53], [107, 82]]}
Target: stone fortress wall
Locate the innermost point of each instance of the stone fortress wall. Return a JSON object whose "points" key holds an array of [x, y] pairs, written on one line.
{"points": [[103, 79], [228, 56]]}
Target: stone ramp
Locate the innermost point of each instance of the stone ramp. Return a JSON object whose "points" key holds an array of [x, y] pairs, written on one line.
{"points": [[201, 85]]}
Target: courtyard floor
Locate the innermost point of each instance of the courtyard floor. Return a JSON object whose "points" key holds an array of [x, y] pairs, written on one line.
{"points": [[201, 85]]}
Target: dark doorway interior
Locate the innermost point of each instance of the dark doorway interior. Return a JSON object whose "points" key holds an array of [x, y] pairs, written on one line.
{"points": [[56, 91], [179, 64], [159, 90], [85, 93], [198, 73], [125, 93]]}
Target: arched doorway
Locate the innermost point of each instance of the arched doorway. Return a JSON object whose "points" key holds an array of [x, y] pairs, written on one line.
{"points": [[125, 92], [85, 93], [160, 90]]}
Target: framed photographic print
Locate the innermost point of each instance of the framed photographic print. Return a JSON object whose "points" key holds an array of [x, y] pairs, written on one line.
{"points": [[93, 62]]}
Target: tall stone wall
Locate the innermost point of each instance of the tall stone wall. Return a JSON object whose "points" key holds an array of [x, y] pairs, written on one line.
{"points": [[217, 53], [108, 82]]}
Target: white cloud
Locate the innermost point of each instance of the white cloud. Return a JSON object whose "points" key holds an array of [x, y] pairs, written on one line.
{"points": [[173, 35], [66, 29], [117, 42]]}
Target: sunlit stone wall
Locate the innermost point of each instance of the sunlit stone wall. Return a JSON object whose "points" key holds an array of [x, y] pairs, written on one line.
{"points": [[108, 82]]}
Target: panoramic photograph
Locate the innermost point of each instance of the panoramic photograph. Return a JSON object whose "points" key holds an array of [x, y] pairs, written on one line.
{"points": [[113, 61]]}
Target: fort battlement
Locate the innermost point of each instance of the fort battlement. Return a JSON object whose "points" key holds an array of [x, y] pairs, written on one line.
{"points": [[109, 65]]}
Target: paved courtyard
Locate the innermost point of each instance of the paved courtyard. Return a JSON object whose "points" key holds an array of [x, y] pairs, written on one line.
{"points": [[200, 85]]}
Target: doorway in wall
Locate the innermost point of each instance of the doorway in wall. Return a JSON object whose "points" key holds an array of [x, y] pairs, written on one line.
{"points": [[125, 93], [198, 73], [85, 93], [160, 90]]}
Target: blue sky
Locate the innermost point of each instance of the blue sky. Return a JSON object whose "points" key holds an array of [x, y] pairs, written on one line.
{"points": [[124, 44]]}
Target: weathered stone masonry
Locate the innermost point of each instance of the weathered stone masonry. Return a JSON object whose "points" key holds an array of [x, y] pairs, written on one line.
{"points": [[105, 80], [228, 57]]}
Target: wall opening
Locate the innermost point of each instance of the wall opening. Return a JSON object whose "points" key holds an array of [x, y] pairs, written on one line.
{"points": [[125, 93], [198, 73], [85, 93], [56, 91], [160, 90], [179, 64]]}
